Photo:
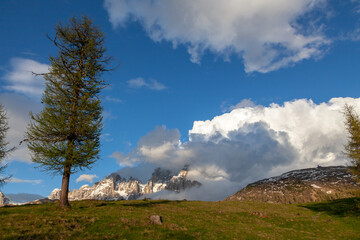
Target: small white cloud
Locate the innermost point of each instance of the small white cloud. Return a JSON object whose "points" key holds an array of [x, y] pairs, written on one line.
{"points": [[21, 79], [18, 180], [108, 115], [113, 99], [151, 84], [137, 83], [28, 52], [242, 104], [106, 137], [353, 36], [86, 178], [357, 6]]}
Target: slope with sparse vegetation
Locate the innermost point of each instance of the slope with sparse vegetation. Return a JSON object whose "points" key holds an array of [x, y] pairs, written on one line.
{"points": [[301, 186]]}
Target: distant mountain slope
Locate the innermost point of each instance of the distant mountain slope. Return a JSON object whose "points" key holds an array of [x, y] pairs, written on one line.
{"points": [[23, 197], [115, 187], [300, 186]]}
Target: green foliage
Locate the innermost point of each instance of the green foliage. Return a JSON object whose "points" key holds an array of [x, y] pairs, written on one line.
{"points": [[352, 148], [66, 133], [182, 220], [4, 150]]}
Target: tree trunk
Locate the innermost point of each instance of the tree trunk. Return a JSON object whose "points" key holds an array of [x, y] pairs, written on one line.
{"points": [[64, 201]]}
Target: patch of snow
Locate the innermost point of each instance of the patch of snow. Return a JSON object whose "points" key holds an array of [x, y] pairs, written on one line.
{"points": [[158, 187], [83, 187], [272, 179], [123, 193], [315, 186]]}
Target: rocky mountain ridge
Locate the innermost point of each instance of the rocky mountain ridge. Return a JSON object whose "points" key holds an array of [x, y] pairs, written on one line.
{"points": [[115, 187], [300, 186], [3, 199]]}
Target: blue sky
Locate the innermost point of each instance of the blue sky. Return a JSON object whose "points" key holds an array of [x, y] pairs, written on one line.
{"points": [[187, 61]]}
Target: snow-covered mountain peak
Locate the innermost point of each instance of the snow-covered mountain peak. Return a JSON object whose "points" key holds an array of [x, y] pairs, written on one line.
{"points": [[115, 187]]}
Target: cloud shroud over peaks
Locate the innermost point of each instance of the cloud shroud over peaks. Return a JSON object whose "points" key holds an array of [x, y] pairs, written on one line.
{"points": [[266, 34], [248, 144]]}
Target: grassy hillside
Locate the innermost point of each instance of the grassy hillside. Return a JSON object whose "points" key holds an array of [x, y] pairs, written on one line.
{"points": [[339, 219]]}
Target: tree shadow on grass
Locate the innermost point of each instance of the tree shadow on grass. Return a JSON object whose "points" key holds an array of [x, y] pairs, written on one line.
{"points": [[148, 203], [130, 203], [340, 207], [33, 236], [179, 236]]}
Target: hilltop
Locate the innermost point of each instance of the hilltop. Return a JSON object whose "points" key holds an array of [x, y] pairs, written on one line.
{"points": [[301, 186]]}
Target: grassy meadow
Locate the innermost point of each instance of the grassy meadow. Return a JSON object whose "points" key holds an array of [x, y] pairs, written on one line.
{"points": [[339, 219]]}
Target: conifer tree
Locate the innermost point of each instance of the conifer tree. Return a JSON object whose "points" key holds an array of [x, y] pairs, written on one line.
{"points": [[352, 148], [4, 150], [65, 136]]}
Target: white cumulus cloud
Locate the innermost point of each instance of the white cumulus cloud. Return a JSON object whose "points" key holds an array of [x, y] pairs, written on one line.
{"points": [[21, 79], [23, 90], [17, 109], [86, 178], [249, 143], [265, 34], [316, 131]]}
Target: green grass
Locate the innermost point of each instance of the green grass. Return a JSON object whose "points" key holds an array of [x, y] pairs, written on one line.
{"points": [[339, 219]]}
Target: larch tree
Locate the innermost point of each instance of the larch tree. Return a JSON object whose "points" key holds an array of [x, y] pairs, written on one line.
{"points": [[352, 148], [65, 136], [4, 150]]}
